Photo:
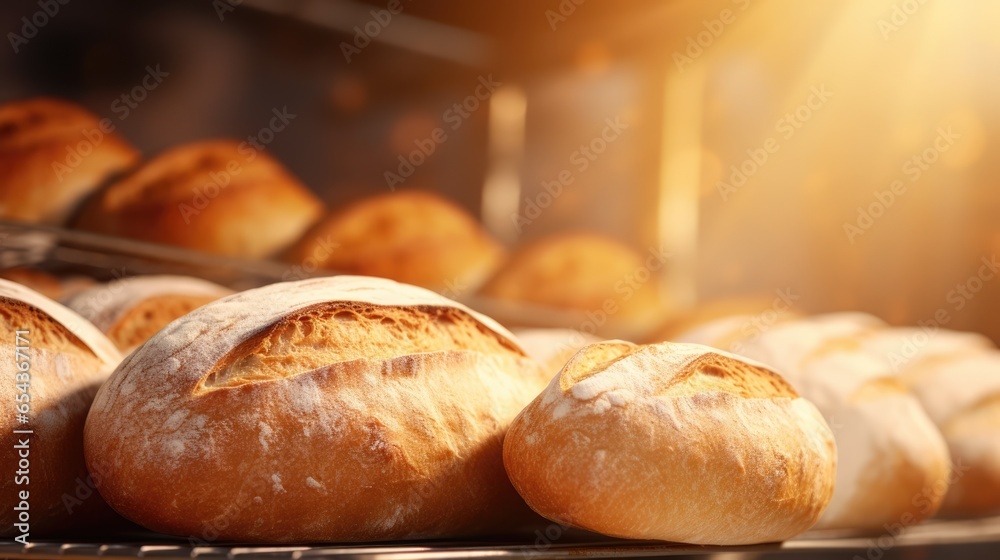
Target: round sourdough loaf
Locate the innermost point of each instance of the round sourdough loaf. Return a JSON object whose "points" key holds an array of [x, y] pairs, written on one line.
{"points": [[68, 360], [52, 155], [131, 310], [676, 442], [332, 409]]}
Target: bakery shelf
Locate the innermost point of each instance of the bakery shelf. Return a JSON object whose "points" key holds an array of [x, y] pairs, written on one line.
{"points": [[103, 257], [945, 535]]}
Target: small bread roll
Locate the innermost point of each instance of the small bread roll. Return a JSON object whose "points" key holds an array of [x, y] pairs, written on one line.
{"points": [[961, 393], [553, 347], [675, 442], [332, 409], [52, 155], [893, 464], [131, 310], [410, 236], [219, 196], [68, 360]]}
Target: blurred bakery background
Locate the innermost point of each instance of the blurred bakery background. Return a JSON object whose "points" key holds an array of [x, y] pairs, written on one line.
{"points": [[773, 155]]}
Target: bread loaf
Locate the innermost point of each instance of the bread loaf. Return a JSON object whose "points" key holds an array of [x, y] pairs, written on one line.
{"points": [[52, 155], [67, 360], [410, 236], [332, 409], [217, 196], [130, 310], [674, 442]]}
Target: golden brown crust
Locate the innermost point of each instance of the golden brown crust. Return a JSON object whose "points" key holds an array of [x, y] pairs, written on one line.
{"points": [[145, 319], [672, 442], [409, 236], [68, 361], [39, 180], [316, 435], [215, 196]]}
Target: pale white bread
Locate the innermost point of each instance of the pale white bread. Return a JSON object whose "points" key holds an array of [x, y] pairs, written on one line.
{"points": [[885, 460], [68, 359], [348, 408], [961, 393], [892, 462], [787, 345], [949, 387], [903, 347], [676, 442], [130, 310], [553, 347], [847, 321]]}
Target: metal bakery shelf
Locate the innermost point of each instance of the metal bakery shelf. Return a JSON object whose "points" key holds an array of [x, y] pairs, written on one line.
{"points": [[103, 257], [971, 538]]}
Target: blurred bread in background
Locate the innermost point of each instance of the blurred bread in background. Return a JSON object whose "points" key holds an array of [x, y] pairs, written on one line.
{"points": [[39, 281], [892, 462], [710, 322], [217, 196], [52, 154], [961, 394], [586, 272], [553, 347], [409, 236], [131, 310]]}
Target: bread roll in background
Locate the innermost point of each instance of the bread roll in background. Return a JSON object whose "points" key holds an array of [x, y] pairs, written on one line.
{"points": [[325, 410], [741, 316], [905, 347], [218, 196], [553, 347], [53, 154], [588, 273], [893, 465], [675, 442], [39, 281], [410, 236], [130, 310], [68, 360]]}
